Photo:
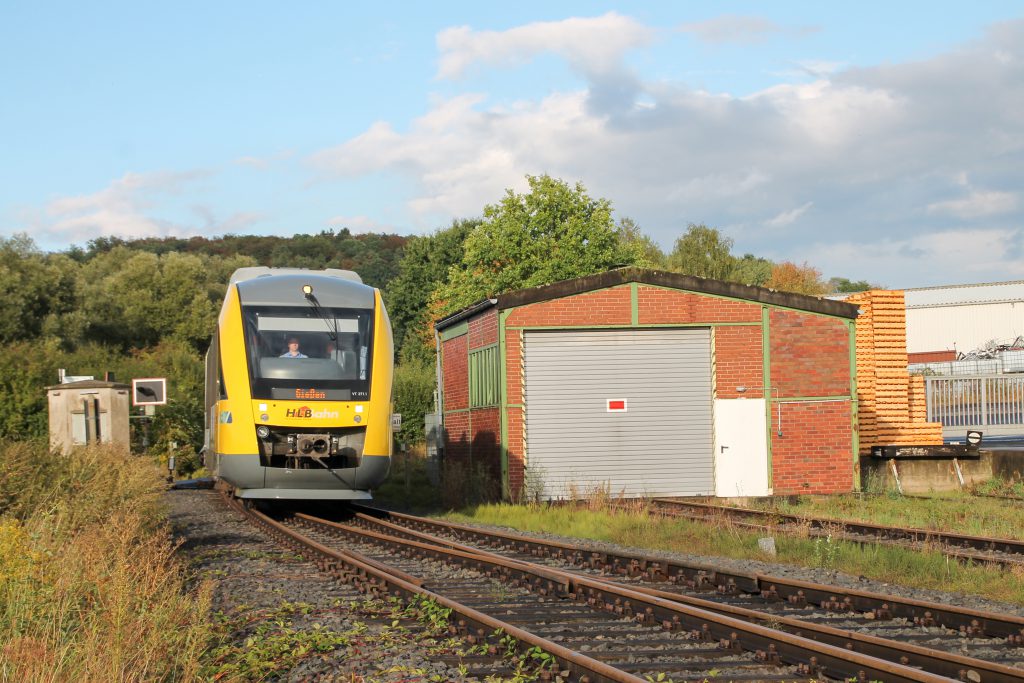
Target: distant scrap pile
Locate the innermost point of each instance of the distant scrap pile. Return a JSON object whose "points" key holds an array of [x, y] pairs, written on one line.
{"points": [[892, 403]]}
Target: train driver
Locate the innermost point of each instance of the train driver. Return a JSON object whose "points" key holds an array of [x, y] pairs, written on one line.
{"points": [[293, 349]]}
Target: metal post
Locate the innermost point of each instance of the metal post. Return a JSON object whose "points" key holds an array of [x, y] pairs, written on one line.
{"points": [[984, 401]]}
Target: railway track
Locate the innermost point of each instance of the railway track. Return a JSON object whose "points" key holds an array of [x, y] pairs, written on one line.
{"points": [[595, 629], [962, 547]]}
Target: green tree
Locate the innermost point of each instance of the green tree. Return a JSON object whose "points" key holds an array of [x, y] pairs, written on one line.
{"points": [[631, 236], [751, 270], [414, 397], [842, 284], [703, 252], [553, 232], [424, 267], [36, 287]]}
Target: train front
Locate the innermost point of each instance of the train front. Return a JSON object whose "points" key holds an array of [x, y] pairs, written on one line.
{"points": [[316, 354]]}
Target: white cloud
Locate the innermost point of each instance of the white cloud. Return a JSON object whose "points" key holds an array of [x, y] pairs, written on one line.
{"points": [[596, 43], [977, 205], [945, 257], [739, 29], [126, 209], [731, 28], [871, 149], [787, 217]]}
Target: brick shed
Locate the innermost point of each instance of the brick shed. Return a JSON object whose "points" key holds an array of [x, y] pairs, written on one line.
{"points": [[646, 383]]}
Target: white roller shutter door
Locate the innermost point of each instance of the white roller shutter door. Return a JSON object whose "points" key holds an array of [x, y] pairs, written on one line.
{"points": [[661, 444]]}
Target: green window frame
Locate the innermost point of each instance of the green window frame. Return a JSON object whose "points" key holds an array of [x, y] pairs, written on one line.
{"points": [[483, 377]]}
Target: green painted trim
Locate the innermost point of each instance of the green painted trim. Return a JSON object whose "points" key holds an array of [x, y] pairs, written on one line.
{"points": [[766, 391], [811, 399], [503, 403], [625, 327], [745, 301], [516, 405], [455, 331], [855, 407], [458, 410], [634, 303]]}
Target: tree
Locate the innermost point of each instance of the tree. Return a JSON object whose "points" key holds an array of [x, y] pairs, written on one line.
{"points": [[423, 268], [554, 232], [414, 398], [789, 277], [751, 270], [703, 252], [841, 284], [631, 236], [35, 286]]}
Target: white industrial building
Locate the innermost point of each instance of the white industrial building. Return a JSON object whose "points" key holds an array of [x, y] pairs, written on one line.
{"points": [[963, 318]]}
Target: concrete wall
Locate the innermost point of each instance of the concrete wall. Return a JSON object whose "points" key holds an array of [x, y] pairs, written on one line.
{"points": [[67, 419]]}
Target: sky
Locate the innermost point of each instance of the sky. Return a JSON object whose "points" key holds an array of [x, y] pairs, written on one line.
{"points": [[874, 141]]}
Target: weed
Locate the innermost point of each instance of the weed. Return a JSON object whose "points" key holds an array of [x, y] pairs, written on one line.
{"points": [[883, 563], [826, 551]]}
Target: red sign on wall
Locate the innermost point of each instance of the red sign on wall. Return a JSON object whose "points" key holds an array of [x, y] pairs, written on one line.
{"points": [[616, 405]]}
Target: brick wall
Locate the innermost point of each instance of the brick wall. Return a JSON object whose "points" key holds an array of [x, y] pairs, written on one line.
{"points": [[470, 436], [603, 307], [810, 355], [483, 330], [668, 306], [455, 367], [739, 362], [485, 427], [814, 454], [457, 437]]}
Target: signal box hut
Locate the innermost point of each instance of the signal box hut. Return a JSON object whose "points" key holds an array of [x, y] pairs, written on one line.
{"points": [[644, 383]]}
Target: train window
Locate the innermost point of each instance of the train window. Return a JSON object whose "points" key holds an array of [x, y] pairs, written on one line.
{"points": [[306, 354]]}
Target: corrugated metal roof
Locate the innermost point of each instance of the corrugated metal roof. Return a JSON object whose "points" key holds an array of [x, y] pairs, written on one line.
{"points": [[958, 295]]}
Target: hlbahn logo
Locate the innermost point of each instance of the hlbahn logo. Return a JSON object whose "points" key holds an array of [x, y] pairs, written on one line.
{"points": [[306, 411]]}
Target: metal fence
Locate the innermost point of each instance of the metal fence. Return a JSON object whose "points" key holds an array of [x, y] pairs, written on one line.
{"points": [[993, 403]]}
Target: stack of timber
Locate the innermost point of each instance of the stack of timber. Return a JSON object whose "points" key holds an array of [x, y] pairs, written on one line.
{"points": [[891, 402]]}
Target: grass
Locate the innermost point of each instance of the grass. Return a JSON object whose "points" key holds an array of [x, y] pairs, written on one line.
{"points": [[407, 486], [89, 586], [637, 528], [956, 512]]}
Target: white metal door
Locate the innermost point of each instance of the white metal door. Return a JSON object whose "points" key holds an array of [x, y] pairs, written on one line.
{"points": [[741, 448], [629, 410]]}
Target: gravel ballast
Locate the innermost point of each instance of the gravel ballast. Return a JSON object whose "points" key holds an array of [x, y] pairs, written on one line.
{"points": [[259, 585], [265, 590]]}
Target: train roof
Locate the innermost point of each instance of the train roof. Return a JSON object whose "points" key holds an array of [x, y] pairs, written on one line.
{"points": [[332, 287], [243, 274]]}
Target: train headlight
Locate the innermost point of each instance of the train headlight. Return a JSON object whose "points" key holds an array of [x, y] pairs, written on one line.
{"points": [[307, 290], [263, 431]]}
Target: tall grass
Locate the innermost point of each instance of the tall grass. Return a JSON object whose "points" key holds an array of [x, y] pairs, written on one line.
{"points": [[89, 587]]}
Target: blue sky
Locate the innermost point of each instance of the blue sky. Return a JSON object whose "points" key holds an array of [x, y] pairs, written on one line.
{"points": [[880, 142]]}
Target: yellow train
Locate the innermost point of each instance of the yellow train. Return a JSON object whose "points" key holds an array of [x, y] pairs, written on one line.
{"points": [[298, 386]]}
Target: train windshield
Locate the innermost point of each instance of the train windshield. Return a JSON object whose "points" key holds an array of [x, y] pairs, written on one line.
{"points": [[302, 353]]}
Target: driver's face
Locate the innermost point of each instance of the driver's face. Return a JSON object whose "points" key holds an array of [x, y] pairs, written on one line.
{"points": [[293, 345]]}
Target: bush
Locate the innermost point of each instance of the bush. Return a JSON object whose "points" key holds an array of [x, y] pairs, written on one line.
{"points": [[414, 397], [89, 586]]}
